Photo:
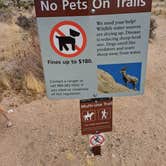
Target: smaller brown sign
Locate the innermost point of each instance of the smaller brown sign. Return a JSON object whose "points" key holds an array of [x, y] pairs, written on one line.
{"points": [[96, 115]]}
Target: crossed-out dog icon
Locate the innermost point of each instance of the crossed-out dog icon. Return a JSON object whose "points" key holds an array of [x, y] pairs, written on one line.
{"points": [[65, 40]]}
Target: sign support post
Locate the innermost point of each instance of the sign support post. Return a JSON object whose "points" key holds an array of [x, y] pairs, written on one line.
{"points": [[92, 50], [96, 117], [96, 150]]}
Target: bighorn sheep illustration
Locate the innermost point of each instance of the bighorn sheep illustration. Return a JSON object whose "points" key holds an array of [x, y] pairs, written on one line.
{"points": [[128, 78]]}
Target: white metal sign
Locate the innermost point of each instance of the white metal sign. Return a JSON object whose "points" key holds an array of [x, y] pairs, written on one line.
{"points": [[93, 49]]}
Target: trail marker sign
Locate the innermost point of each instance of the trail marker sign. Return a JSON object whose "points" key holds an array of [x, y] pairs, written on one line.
{"points": [[96, 115], [93, 48]]}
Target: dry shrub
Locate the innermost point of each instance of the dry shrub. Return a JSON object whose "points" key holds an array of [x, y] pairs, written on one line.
{"points": [[20, 60], [24, 67], [153, 27], [28, 71], [29, 65], [23, 22], [159, 12], [6, 16], [4, 82], [158, 7], [25, 4], [10, 41], [2, 4], [33, 84]]}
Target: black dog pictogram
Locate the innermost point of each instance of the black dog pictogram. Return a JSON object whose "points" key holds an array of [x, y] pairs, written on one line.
{"points": [[64, 40]]}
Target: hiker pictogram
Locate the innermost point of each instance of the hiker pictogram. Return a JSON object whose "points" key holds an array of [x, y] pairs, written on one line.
{"points": [[104, 114], [68, 39]]}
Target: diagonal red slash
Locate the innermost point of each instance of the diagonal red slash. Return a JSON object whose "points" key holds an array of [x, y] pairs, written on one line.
{"points": [[62, 34]]}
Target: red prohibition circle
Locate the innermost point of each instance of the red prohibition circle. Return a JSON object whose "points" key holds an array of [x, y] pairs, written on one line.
{"points": [[103, 139], [55, 29]]}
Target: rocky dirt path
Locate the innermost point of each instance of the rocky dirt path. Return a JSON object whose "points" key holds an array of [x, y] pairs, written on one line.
{"points": [[47, 133]]}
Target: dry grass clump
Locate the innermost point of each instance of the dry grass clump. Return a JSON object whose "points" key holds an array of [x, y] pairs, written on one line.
{"points": [[5, 16], [25, 4], [33, 84], [4, 82], [28, 68], [2, 4], [159, 12], [10, 41], [153, 27], [30, 61], [159, 7]]}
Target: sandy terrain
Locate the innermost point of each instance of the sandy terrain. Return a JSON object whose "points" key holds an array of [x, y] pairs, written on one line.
{"points": [[47, 133]]}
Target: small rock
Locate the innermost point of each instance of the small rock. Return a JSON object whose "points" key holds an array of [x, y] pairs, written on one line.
{"points": [[9, 124], [111, 145], [144, 132], [63, 150], [50, 133], [11, 104], [55, 157], [158, 148], [132, 131], [113, 155], [118, 142], [10, 111]]}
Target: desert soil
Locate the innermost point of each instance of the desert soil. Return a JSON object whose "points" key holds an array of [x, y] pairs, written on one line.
{"points": [[47, 133]]}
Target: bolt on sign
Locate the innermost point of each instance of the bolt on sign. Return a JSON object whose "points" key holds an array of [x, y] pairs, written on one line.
{"points": [[93, 48], [96, 115]]}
